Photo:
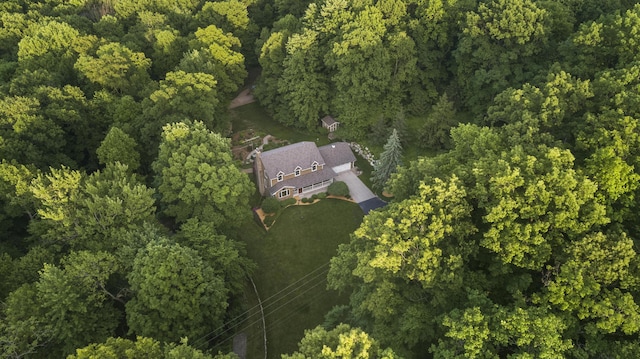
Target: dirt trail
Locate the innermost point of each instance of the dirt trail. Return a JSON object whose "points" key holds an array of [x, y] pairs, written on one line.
{"points": [[243, 98]]}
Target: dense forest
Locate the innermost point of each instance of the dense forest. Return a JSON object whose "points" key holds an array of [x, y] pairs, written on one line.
{"points": [[120, 202]]}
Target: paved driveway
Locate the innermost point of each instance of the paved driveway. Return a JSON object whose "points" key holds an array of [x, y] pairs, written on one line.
{"points": [[371, 204], [360, 192]]}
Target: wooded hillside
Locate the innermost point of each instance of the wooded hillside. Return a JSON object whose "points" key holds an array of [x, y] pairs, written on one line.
{"points": [[120, 202]]}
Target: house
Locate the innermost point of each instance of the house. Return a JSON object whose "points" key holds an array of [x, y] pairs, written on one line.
{"points": [[329, 123], [301, 167]]}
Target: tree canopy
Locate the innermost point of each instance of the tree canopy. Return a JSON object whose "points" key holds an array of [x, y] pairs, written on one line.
{"points": [[512, 231], [197, 178]]}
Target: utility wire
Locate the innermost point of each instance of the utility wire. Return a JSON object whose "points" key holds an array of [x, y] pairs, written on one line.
{"points": [[276, 323], [313, 272], [266, 315], [268, 305]]}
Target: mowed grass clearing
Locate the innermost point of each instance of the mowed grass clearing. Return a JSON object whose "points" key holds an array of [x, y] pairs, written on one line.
{"points": [[257, 118], [292, 263]]}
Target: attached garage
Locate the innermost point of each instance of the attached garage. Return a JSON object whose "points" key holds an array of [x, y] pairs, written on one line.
{"points": [[342, 168], [338, 156]]}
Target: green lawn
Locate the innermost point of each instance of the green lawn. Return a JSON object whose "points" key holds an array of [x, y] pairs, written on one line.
{"points": [[256, 117], [292, 262]]}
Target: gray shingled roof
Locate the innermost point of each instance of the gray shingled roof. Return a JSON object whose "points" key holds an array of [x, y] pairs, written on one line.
{"points": [[287, 158], [328, 120], [337, 153], [304, 180]]}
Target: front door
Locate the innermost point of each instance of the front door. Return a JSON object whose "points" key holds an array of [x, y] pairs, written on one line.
{"points": [[300, 190]]}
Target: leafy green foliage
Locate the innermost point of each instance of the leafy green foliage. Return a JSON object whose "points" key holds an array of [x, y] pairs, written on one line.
{"points": [[346, 59], [117, 146], [523, 215], [69, 306], [434, 133], [528, 212], [270, 205], [424, 240], [117, 68], [197, 178], [26, 136], [50, 46], [225, 63], [518, 241], [224, 255], [120, 347], [341, 342], [87, 212], [73, 72], [175, 294], [15, 196], [479, 332], [501, 45], [338, 188]]}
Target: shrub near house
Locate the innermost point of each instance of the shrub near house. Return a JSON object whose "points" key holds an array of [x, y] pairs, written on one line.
{"points": [[338, 189], [270, 205]]}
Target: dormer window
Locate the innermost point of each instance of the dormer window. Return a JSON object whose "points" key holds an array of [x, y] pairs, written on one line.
{"points": [[314, 166], [297, 171], [280, 176]]}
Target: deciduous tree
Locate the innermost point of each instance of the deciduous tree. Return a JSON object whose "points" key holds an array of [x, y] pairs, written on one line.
{"points": [[86, 212], [500, 46], [197, 178], [175, 294], [182, 96], [70, 305], [303, 88], [341, 342], [117, 146], [225, 255], [50, 46], [117, 68], [26, 136], [425, 240]]}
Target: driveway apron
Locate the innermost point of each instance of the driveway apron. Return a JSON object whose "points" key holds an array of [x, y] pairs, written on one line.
{"points": [[360, 192]]}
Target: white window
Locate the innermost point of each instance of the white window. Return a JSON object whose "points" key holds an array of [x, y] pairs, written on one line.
{"points": [[297, 171], [280, 176], [284, 193], [314, 166]]}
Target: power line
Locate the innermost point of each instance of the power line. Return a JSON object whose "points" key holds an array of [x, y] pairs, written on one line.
{"points": [[264, 326], [285, 318], [273, 311], [270, 305], [312, 273], [256, 306]]}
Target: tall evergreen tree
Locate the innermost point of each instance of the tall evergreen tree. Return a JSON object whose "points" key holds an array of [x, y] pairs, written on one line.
{"points": [[389, 161], [434, 133]]}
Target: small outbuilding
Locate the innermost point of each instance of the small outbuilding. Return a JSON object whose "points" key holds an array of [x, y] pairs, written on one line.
{"points": [[329, 123]]}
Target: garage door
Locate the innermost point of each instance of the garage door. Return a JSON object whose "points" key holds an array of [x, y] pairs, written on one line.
{"points": [[342, 168]]}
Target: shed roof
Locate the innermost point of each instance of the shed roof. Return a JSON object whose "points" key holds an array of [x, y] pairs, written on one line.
{"points": [[337, 153], [287, 158], [328, 120]]}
